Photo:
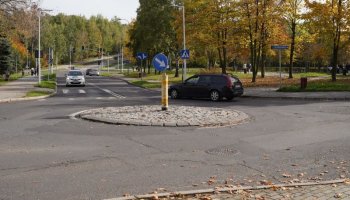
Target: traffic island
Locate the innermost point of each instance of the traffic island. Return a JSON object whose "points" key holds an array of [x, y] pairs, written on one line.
{"points": [[175, 116]]}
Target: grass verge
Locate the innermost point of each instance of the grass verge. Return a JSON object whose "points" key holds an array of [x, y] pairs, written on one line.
{"points": [[146, 84], [320, 86], [37, 93], [47, 84]]}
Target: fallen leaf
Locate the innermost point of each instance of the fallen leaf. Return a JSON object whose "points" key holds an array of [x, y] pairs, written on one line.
{"points": [[334, 185], [265, 182], [126, 195], [342, 176], [300, 174], [286, 175], [155, 197], [338, 195], [259, 197], [205, 198], [194, 185], [211, 181]]}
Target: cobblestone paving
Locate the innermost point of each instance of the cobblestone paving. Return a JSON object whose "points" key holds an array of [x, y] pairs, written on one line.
{"points": [[175, 116]]}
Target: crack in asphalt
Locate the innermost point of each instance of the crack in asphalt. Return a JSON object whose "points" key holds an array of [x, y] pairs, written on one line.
{"points": [[63, 164], [146, 145]]}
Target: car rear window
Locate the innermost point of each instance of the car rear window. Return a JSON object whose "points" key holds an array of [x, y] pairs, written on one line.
{"points": [[75, 73], [234, 79], [218, 80]]}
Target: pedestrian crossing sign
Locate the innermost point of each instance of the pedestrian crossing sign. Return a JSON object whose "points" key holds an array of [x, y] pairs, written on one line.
{"points": [[185, 54]]}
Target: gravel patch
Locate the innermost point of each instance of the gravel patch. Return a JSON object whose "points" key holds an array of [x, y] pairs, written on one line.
{"points": [[175, 116]]}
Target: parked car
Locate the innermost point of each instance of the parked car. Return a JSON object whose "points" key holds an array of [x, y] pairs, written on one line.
{"points": [[92, 72], [213, 86], [75, 77]]}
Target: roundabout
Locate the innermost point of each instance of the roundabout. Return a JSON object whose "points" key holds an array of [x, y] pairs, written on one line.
{"points": [[175, 116]]}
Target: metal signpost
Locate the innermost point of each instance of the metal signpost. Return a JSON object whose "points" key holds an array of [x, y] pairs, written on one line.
{"points": [[184, 54], [280, 48], [141, 56], [160, 62]]}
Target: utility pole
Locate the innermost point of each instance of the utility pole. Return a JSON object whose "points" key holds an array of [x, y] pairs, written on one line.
{"points": [[39, 67], [70, 56], [108, 61], [39, 44]]}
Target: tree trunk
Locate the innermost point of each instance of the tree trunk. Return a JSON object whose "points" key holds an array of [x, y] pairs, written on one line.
{"points": [[292, 46], [177, 68], [336, 40]]}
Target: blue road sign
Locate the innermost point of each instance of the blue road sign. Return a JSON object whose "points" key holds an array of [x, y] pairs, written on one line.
{"points": [[160, 62], [185, 54], [279, 47], [141, 55]]}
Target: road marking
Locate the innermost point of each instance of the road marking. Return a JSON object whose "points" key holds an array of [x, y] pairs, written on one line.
{"points": [[108, 91], [65, 91], [82, 92], [71, 99], [113, 93]]}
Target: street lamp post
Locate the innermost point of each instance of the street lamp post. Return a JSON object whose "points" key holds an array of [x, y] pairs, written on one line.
{"points": [[184, 40], [122, 59], [39, 44]]}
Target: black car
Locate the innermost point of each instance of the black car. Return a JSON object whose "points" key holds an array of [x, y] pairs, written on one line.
{"points": [[213, 86]]}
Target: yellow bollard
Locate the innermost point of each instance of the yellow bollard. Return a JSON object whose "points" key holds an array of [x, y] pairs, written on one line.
{"points": [[165, 103]]}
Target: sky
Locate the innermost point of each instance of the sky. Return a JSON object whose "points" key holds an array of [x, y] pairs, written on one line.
{"points": [[124, 9]]}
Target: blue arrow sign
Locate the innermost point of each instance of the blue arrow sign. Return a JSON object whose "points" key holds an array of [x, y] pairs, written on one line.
{"points": [[279, 47], [160, 62], [141, 55], [185, 54]]}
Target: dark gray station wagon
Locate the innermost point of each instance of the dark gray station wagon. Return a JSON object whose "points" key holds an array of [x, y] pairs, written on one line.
{"points": [[213, 86]]}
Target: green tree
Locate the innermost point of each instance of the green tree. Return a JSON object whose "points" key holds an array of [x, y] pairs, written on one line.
{"points": [[5, 55], [153, 31]]}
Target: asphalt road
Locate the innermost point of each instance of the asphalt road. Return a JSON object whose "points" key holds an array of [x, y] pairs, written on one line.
{"points": [[44, 154]]}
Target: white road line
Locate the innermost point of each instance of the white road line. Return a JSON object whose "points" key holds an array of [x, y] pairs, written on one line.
{"points": [[65, 91], [82, 92], [71, 99], [108, 91]]}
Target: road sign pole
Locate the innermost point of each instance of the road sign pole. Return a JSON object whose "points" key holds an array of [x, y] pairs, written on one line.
{"points": [[141, 69], [184, 37], [280, 63], [165, 103]]}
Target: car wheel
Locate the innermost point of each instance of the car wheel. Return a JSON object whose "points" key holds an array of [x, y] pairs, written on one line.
{"points": [[174, 94], [215, 95]]}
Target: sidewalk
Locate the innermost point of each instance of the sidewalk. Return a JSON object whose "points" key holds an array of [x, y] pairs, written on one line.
{"points": [[338, 189], [17, 90]]}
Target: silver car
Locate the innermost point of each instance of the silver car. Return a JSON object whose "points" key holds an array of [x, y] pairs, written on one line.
{"points": [[75, 77]]}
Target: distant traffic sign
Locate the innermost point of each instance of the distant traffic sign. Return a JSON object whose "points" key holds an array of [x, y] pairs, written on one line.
{"points": [[279, 47], [141, 55], [185, 54], [160, 62]]}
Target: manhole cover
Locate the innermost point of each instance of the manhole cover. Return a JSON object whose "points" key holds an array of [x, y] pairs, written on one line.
{"points": [[223, 151]]}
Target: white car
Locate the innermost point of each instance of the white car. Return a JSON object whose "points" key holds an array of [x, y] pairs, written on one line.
{"points": [[75, 77]]}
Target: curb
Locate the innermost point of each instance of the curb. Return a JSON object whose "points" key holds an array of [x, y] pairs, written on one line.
{"points": [[298, 98], [225, 189]]}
